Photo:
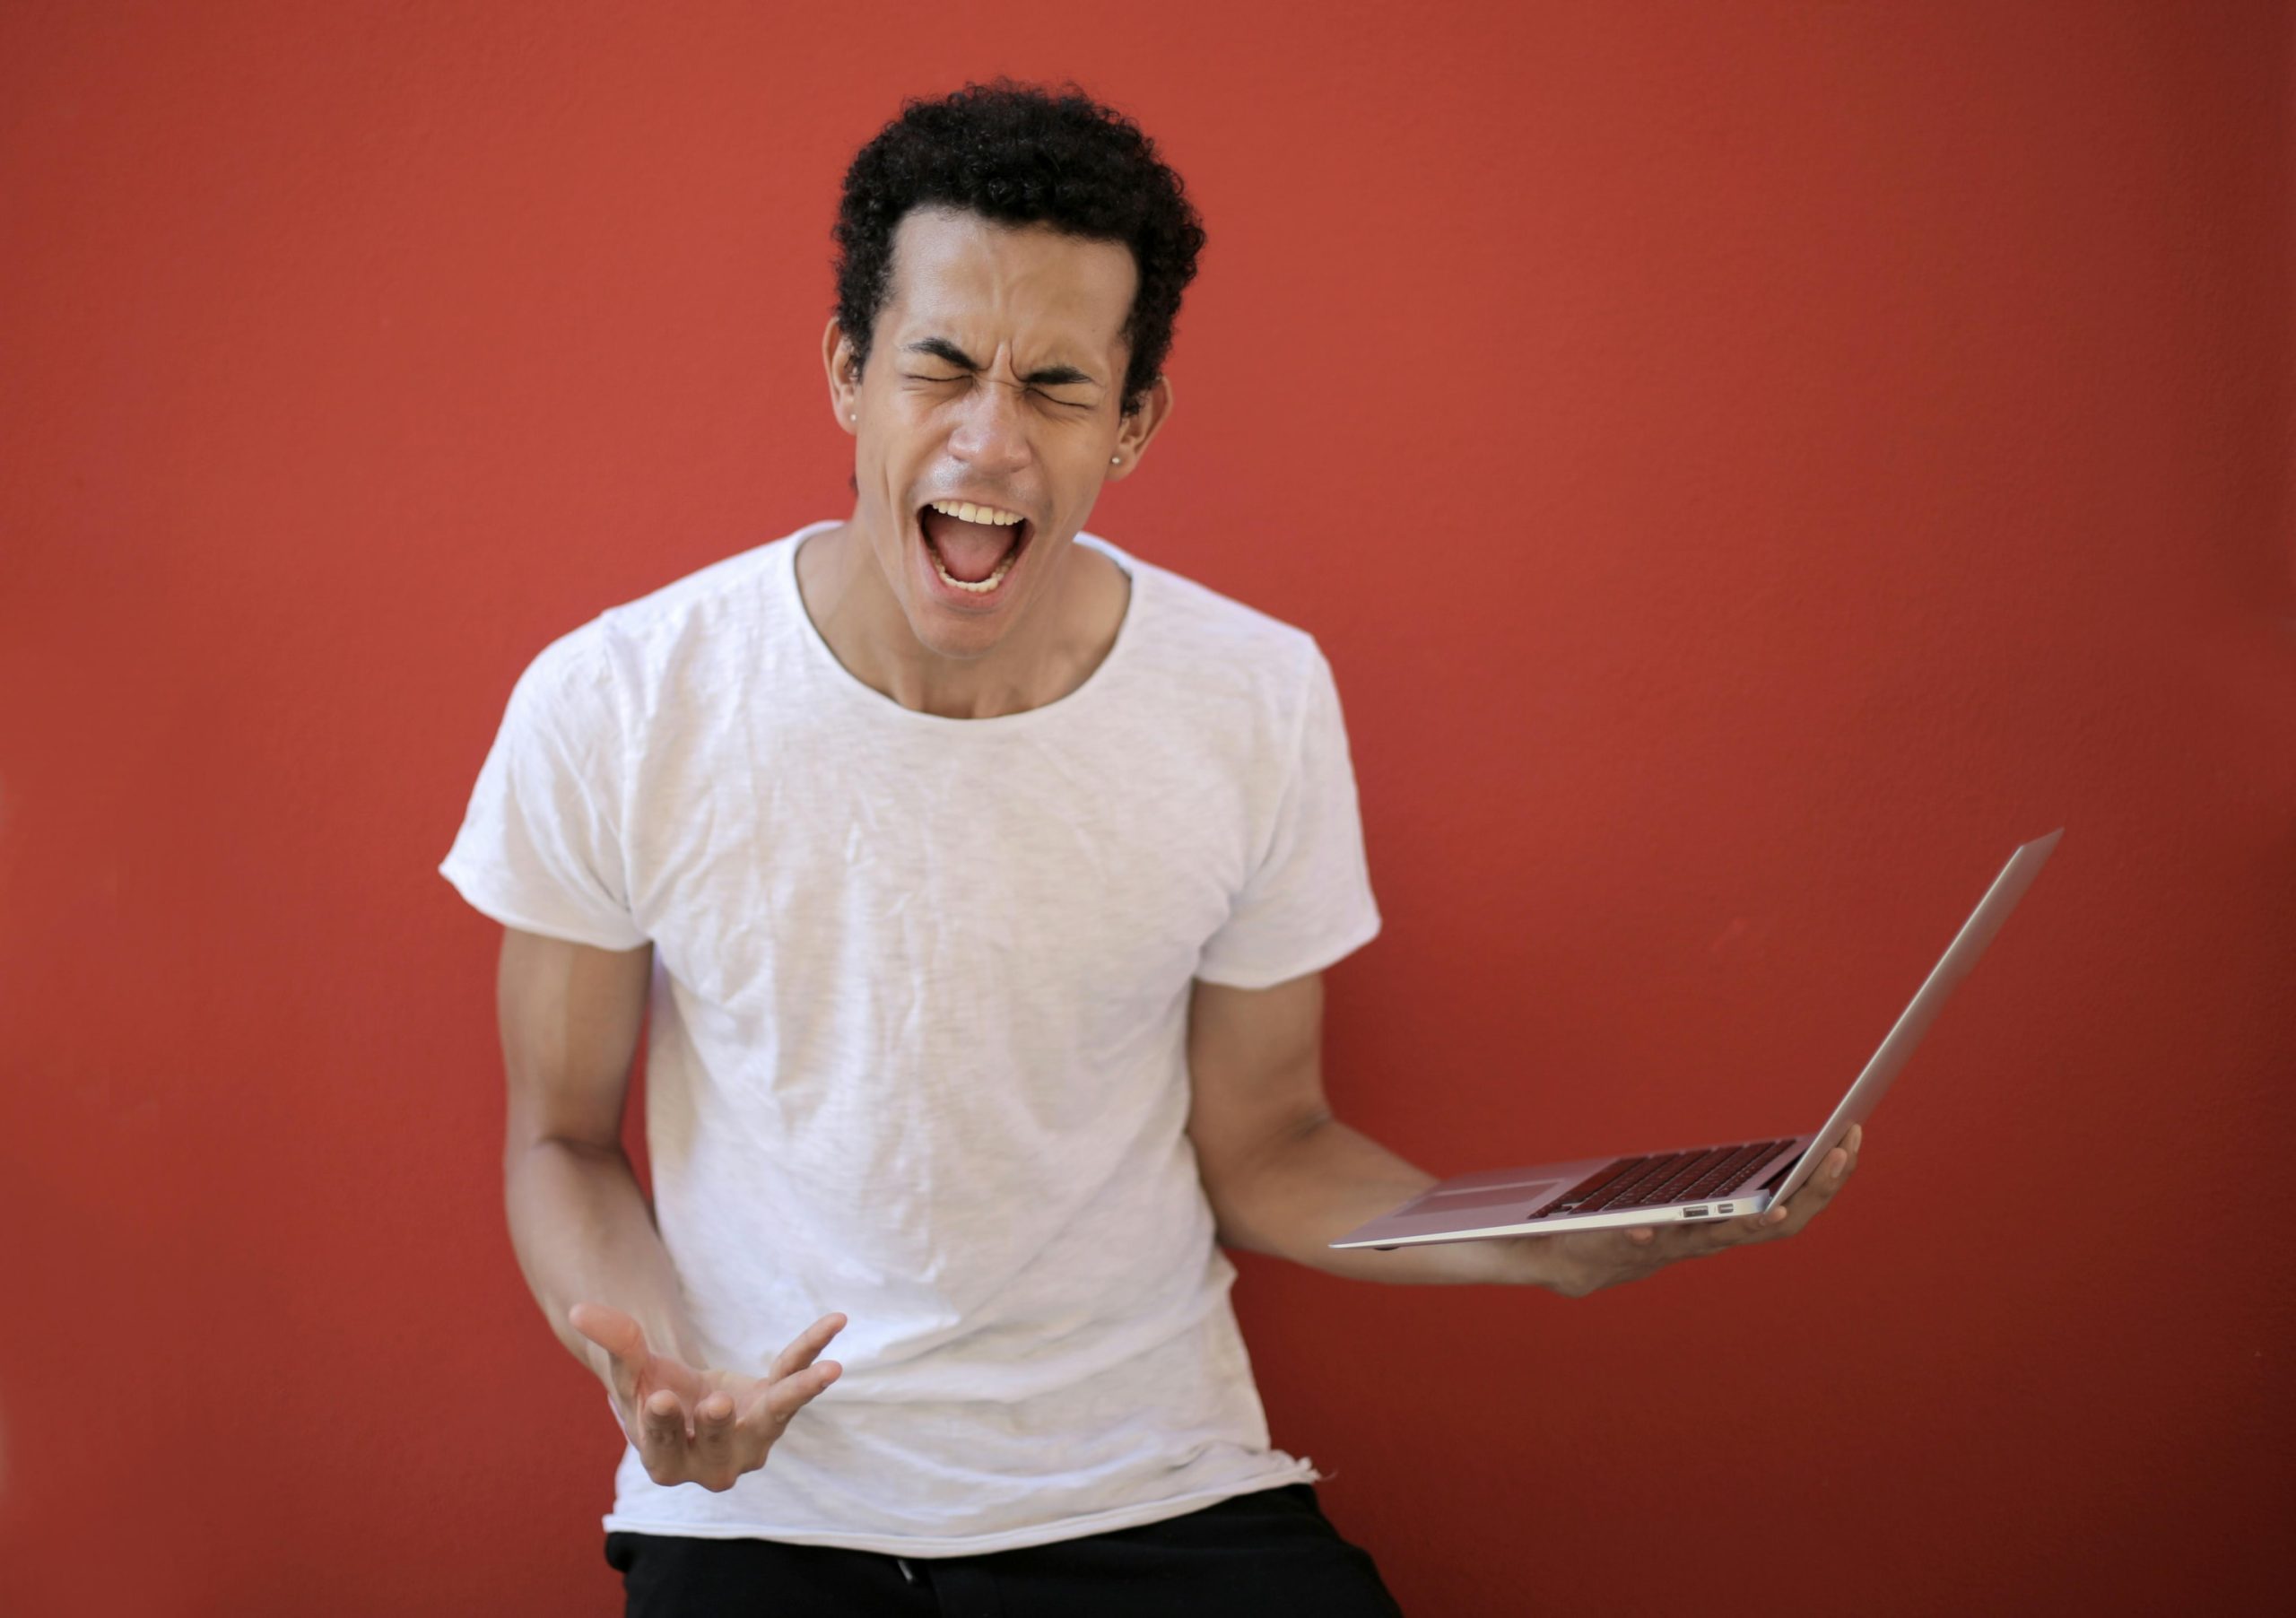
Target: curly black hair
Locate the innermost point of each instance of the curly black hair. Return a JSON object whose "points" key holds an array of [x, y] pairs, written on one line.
{"points": [[1021, 154]]}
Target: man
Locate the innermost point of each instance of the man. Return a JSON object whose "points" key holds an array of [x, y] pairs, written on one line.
{"points": [[979, 875]]}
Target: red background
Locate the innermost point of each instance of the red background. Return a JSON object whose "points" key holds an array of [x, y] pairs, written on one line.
{"points": [[1750, 465]]}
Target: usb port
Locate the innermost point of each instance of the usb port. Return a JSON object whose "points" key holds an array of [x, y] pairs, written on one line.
{"points": [[1727, 1207], [1693, 1212]]}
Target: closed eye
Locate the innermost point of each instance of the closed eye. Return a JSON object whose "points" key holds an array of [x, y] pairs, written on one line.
{"points": [[1072, 403]]}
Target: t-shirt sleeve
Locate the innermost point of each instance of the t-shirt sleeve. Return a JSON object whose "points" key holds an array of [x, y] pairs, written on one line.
{"points": [[1308, 901], [539, 848]]}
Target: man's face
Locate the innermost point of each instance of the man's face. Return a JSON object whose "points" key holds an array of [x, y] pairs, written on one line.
{"points": [[994, 376]]}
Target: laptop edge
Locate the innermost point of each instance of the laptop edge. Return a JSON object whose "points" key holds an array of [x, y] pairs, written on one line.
{"points": [[1505, 1202]]}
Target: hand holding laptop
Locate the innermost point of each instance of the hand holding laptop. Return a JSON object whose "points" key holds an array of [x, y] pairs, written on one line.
{"points": [[1597, 1209], [1575, 1263]]}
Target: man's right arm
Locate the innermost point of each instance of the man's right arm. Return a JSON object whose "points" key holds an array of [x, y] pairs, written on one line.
{"points": [[570, 1015]]}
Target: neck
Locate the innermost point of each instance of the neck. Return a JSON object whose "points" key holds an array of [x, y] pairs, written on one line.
{"points": [[1065, 634]]}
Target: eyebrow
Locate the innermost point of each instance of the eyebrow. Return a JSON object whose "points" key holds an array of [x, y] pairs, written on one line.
{"points": [[942, 349]]}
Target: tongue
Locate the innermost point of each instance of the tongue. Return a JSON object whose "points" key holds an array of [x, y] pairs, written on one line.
{"points": [[970, 551]]}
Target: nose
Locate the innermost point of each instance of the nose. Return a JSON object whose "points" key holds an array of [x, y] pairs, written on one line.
{"points": [[992, 432]]}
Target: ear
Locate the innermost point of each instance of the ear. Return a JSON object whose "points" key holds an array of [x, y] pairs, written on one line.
{"points": [[844, 376], [1136, 429]]}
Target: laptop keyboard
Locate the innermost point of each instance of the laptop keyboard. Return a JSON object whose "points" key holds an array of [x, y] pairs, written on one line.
{"points": [[1649, 1182]]}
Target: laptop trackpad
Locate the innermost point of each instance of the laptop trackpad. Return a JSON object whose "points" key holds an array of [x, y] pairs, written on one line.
{"points": [[1523, 1192]]}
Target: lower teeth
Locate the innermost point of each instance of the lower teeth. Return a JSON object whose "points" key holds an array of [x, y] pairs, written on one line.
{"points": [[982, 586]]}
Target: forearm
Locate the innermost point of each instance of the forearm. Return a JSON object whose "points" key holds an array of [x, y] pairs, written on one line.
{"points": [[583, 1233], [1299, 1196]]}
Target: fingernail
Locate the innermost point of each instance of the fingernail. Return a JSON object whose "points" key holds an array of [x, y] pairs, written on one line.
{"points": [[1842, 1168]]}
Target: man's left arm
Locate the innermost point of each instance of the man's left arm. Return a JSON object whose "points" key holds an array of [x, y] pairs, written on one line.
{"points": [[1285, 1178]]}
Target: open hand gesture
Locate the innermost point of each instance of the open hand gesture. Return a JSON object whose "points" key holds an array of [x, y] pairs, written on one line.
{"points": [[700, 1426]]}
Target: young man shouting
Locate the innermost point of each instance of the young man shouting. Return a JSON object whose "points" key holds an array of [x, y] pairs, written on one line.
{"points": [[979, 875]]}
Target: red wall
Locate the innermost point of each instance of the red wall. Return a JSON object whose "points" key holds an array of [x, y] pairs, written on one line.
{"points": [[1749, 465]]}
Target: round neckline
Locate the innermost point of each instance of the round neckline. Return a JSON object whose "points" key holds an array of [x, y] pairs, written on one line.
{"points": [[860, 694]]}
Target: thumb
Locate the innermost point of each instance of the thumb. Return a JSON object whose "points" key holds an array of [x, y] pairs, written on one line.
{"points": [[619, 1333]]}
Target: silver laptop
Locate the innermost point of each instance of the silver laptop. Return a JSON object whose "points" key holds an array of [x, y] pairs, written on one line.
{"points": [[1725, 1181]]}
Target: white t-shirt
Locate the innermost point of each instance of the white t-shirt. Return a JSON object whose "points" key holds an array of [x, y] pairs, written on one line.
{"points": [[917, 1050]]}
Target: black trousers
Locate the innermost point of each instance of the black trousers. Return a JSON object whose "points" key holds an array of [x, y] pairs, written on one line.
{"points": [[1270, 1552]]}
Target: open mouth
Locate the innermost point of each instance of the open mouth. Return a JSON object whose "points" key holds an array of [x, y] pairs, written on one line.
{"points": [[971, 556]]}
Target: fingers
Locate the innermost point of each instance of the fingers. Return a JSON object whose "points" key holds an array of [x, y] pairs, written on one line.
{"points": [[1625, 1254], [1700, 1238], [710, 1452], [620, 1335], [656, 1423], [807, 1344], [1785, 1219], [1715, 1235], [1818, 1190], [786, 1397], [662, 1434], [751, 1430], [713, 1435], [610, 1329]]}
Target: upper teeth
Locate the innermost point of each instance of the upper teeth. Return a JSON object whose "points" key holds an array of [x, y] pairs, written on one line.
{"points": [[966, 511]]}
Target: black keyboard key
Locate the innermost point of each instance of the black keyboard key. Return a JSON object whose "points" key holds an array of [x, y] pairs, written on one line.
{"points": [[1692, 1172], [1725, 1176], [1622, 1186], [1676, 1177], [1588, 1186], [1629, 1191]]}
